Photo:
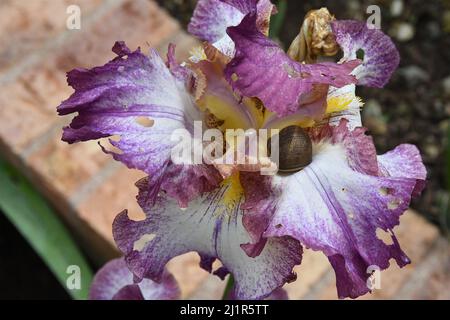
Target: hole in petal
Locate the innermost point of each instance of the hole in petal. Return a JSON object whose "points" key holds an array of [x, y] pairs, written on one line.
{"points": [[143, 241], [384, 191], [234, 77], [394, 204], [145, 121], [360, 54], [278, 226], [384, 236]]}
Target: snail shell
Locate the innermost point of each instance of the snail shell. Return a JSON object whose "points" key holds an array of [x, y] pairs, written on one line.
{"points": [[295, 149]]}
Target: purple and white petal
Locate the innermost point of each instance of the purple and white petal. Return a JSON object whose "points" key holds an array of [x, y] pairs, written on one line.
{"points": [[211, 19], [114, 281], [212, 226], [260, 68], [181, 72], [359, 147], [381, 57], [137, 98], [333, 207], [186, 182], [405, 162]]}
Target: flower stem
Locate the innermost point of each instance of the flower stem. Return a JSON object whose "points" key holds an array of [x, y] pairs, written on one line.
{"points": [[228, 288]]}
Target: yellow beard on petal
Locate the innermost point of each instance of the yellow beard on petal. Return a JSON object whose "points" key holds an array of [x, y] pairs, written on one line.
{"points": [[221, 110], [232, 196], [197, 54], [340, 103]]}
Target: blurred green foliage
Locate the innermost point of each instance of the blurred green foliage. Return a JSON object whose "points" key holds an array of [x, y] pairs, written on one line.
{"points": [[276, 22], [39, 225]]}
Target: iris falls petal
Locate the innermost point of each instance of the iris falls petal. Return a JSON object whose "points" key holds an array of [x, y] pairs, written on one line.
{"points": [[339, 206], [212, 226]]}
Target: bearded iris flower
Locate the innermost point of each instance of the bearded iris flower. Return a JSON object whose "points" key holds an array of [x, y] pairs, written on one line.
{"points": [[257, 226]]}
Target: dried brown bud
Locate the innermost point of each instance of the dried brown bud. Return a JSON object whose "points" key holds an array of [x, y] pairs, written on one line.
{"points": [[315, 39]]}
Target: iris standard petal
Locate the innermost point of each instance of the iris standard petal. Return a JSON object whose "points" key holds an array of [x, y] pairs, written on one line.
{"points": [[260, 68], [381, 57], [211, 19]]}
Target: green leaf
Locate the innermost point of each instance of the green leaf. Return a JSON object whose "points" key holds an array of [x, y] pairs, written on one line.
{"points": [[228, 288], [276, 22], [39, 225]]}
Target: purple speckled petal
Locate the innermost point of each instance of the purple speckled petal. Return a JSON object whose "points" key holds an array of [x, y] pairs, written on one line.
{"points": [[336, 206], [360, 150], [115, 282], [135, 97], [259, 206], [211, 19], [139, 99], [186, 182], [405, 162], [181, 72], [260, 68], [211, 226], [381, 57]]}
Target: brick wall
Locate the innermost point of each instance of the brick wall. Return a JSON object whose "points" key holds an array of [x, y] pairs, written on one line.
{"points": [[88, 188]]}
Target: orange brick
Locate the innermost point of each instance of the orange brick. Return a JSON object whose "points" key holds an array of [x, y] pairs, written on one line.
{"points": [[191, 278], [25, 26], [114, 195], [63, 168], [431, 279], [140, 23], [28, 106], [313, 267], [22, 116]]}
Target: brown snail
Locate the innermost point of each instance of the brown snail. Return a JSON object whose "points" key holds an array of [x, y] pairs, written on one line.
{"points": [[295, 149]]}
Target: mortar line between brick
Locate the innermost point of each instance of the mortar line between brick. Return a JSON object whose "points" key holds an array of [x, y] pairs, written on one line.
{"points": [[422, 272], [94, 183], [41, 140], [56, 42]]}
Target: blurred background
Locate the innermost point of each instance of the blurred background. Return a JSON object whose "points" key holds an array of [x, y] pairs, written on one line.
{"points": [[57, 202]]}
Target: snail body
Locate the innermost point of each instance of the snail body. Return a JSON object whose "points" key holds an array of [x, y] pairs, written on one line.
{"points": [[295, 149]]}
